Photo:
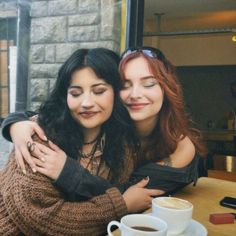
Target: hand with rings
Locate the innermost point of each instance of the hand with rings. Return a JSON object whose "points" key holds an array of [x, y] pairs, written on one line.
{"points": [[49, 161], [21, 133]]}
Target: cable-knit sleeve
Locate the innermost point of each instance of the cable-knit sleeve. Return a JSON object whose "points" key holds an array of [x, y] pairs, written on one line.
{"points": [[37, 208]]}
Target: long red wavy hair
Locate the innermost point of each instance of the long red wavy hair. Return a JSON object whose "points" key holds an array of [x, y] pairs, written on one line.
{"points": [[173, 123]]}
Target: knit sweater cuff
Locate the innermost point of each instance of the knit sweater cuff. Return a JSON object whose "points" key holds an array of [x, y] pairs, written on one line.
{"points": [[118, 202]]}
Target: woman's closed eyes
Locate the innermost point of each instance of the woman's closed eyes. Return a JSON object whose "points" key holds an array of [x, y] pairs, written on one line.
{"points": [[76, 92], [146, 82], [150, 82], [99, 90]]}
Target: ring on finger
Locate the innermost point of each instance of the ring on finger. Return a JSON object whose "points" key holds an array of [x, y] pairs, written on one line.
{"points": [[30, 146]]}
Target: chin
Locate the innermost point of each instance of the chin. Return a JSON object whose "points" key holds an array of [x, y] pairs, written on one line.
{"points": [[138, 117], [88, 126]]}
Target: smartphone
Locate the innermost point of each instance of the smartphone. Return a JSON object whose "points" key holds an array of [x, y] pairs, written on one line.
{"points": [[228, 202]]}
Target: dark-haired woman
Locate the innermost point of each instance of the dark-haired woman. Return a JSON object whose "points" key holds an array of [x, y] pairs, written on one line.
{"points": [[84, 121]]}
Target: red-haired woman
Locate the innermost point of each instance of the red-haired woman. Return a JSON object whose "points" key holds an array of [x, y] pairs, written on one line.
{"points": [[153, 97]]}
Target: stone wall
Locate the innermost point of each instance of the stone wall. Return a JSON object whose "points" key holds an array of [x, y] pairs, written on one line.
{"points": [[59, 27], [7, 6]]}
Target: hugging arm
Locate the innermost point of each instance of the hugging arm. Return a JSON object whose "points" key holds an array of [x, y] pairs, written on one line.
{"points": [[167, 178], [161, 177], [13, 118], [77, 184], [19, 129]]}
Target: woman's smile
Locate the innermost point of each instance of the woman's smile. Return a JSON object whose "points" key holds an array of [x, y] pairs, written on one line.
{"points": [[136, 106], [88, 114]]}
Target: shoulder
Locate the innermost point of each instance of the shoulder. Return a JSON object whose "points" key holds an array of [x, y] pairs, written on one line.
{"points": [[184, 153], [186, 143]]}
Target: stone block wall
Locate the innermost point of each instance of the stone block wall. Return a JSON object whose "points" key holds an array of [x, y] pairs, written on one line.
{"points": [[59, 27]]}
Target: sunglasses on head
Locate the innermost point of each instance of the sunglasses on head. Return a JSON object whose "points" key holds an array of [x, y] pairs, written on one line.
{"points": [[147, 51]]}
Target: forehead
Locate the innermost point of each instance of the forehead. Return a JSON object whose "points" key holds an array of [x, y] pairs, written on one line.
{"points": [[85, 76], [137, 68]]}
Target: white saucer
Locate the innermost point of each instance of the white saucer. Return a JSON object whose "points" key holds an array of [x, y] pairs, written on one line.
{"points": [[194, 229]]}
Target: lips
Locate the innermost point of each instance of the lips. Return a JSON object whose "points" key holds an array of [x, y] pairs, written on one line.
{"points": [[88, 114], [136, 106]]}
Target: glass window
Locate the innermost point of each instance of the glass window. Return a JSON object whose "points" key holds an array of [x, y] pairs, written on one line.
{"points": [[7, 40]]}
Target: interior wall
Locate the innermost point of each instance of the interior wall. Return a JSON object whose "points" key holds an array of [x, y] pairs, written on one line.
{"points": [[194, 50], [206, 65], [207, 93]]}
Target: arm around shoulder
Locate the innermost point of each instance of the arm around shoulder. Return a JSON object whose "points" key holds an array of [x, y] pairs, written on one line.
{"points": [[13, 118]]}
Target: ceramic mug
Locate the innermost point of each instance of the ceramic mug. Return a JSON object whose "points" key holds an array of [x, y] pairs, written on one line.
{"points": [[139, 225], [176, 212]]}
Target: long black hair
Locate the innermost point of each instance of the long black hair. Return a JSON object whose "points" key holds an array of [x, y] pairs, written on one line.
{"points": [[57, 122]]}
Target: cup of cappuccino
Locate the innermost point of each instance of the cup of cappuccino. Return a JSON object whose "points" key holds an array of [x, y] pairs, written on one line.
{"points": [[139, 225], [176, 212]]}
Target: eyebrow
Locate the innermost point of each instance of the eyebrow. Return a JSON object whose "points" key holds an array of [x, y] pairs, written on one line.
{"points": [[144, 77], [147, 77], [94, 85]]}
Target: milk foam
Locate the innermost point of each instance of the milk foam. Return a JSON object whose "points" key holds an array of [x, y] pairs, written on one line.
{"points": [[172, 203]]}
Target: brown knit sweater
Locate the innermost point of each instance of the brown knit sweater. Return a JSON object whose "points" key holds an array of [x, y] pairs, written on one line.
{"points": [[31, 205]]}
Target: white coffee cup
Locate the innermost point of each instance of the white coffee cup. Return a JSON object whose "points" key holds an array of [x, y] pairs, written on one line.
{"points": [[176, 212], [138, 225]]}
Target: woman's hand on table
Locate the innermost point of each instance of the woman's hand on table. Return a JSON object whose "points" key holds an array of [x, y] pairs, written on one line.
{"points": [[139, 198], [21, 133]]}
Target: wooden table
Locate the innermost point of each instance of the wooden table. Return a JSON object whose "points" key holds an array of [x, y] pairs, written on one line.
{"points": [[205, 197]]}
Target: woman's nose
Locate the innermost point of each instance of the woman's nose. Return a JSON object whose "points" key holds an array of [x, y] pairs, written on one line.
{"points": [[87, 101], [135, 92]]}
